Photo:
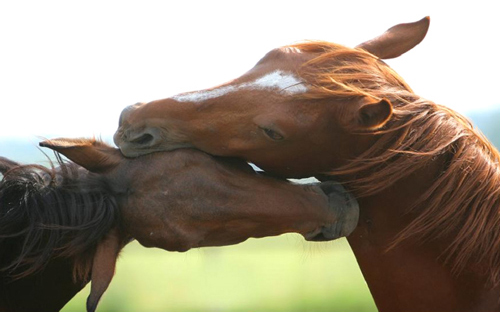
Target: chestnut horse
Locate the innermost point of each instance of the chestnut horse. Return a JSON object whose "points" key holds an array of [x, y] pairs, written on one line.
{"points": [[428, 184], [62, 227]]}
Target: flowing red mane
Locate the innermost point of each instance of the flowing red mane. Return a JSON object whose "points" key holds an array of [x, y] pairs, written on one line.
{"points": [[464, 200]]}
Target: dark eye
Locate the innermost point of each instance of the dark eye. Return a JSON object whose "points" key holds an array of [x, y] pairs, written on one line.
{"points": [[272, 134]]}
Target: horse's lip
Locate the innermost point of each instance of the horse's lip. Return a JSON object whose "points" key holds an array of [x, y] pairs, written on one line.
{"points": [[322, 234], [319, 238], [346, 210], [315, 236]]}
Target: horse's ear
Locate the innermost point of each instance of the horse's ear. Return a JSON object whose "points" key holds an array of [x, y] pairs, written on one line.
{"points": [[397, 40], [373, 115], [91, 154], [7, 164], [103, 267]]}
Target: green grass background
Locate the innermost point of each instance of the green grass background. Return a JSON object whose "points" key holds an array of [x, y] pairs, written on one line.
{"points": [[282, 273]]}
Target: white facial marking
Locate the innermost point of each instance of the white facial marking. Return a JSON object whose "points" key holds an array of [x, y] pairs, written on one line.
{"points": [[282, 82], [291, 50], [200, 96], [285, 83]]}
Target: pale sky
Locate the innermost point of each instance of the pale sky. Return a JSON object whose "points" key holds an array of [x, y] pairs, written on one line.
{"points": [[68, 68]]}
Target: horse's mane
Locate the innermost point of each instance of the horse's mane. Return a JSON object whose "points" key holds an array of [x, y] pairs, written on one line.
{"points": [[464, 201], [47, 213]]}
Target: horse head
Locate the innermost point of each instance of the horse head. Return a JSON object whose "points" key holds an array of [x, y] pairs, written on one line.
{"points": [[296, 113], [186, 199]]}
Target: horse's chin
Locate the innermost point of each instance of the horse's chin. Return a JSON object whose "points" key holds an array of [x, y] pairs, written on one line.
{"points": [[346, 209]]}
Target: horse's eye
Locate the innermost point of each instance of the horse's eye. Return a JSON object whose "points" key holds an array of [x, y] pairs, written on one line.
{"points": [[272, 134]]}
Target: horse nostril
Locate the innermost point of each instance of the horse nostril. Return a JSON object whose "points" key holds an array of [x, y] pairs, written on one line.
{"points": [[144, 139]]}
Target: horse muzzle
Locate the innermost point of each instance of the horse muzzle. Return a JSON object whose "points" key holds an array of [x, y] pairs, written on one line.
{"points": [[135, 137], [346, 210]]}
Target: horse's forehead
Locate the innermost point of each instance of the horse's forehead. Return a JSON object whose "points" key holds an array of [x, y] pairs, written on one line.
{"points": [[276, 73], [284, 56], [284, 60]]}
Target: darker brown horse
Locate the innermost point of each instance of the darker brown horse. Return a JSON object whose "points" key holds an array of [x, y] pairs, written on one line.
{"points": [[62, 227], [428, 238]]}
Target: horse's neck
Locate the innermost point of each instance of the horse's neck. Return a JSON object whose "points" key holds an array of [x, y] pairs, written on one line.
{"points": [[412, 276], [46, 291]]}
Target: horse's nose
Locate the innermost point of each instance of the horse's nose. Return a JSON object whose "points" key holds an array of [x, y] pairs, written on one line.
{"points": [[124, 134], [133, 137], [346, 208], [124, 116]]}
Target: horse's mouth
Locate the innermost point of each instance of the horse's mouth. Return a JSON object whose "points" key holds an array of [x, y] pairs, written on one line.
{"points": [[134, 144], [346, 209], [135, 141], [320, 238], [342, 203]]}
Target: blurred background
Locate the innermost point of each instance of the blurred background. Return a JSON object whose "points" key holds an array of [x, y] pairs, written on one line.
{"points": [[68, 68]]}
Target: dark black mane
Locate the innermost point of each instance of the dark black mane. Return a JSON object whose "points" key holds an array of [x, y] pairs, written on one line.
{"points": [[46, 213]]}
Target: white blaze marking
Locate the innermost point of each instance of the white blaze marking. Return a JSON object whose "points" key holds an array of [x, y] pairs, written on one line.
{"points": [[291, 50], [284, 83]]}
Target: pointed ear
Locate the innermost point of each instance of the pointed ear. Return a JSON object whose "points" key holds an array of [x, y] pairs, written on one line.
{"points": [[374, 115], [93, 155], [7, 164], [103, 267], [397, 40]]}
